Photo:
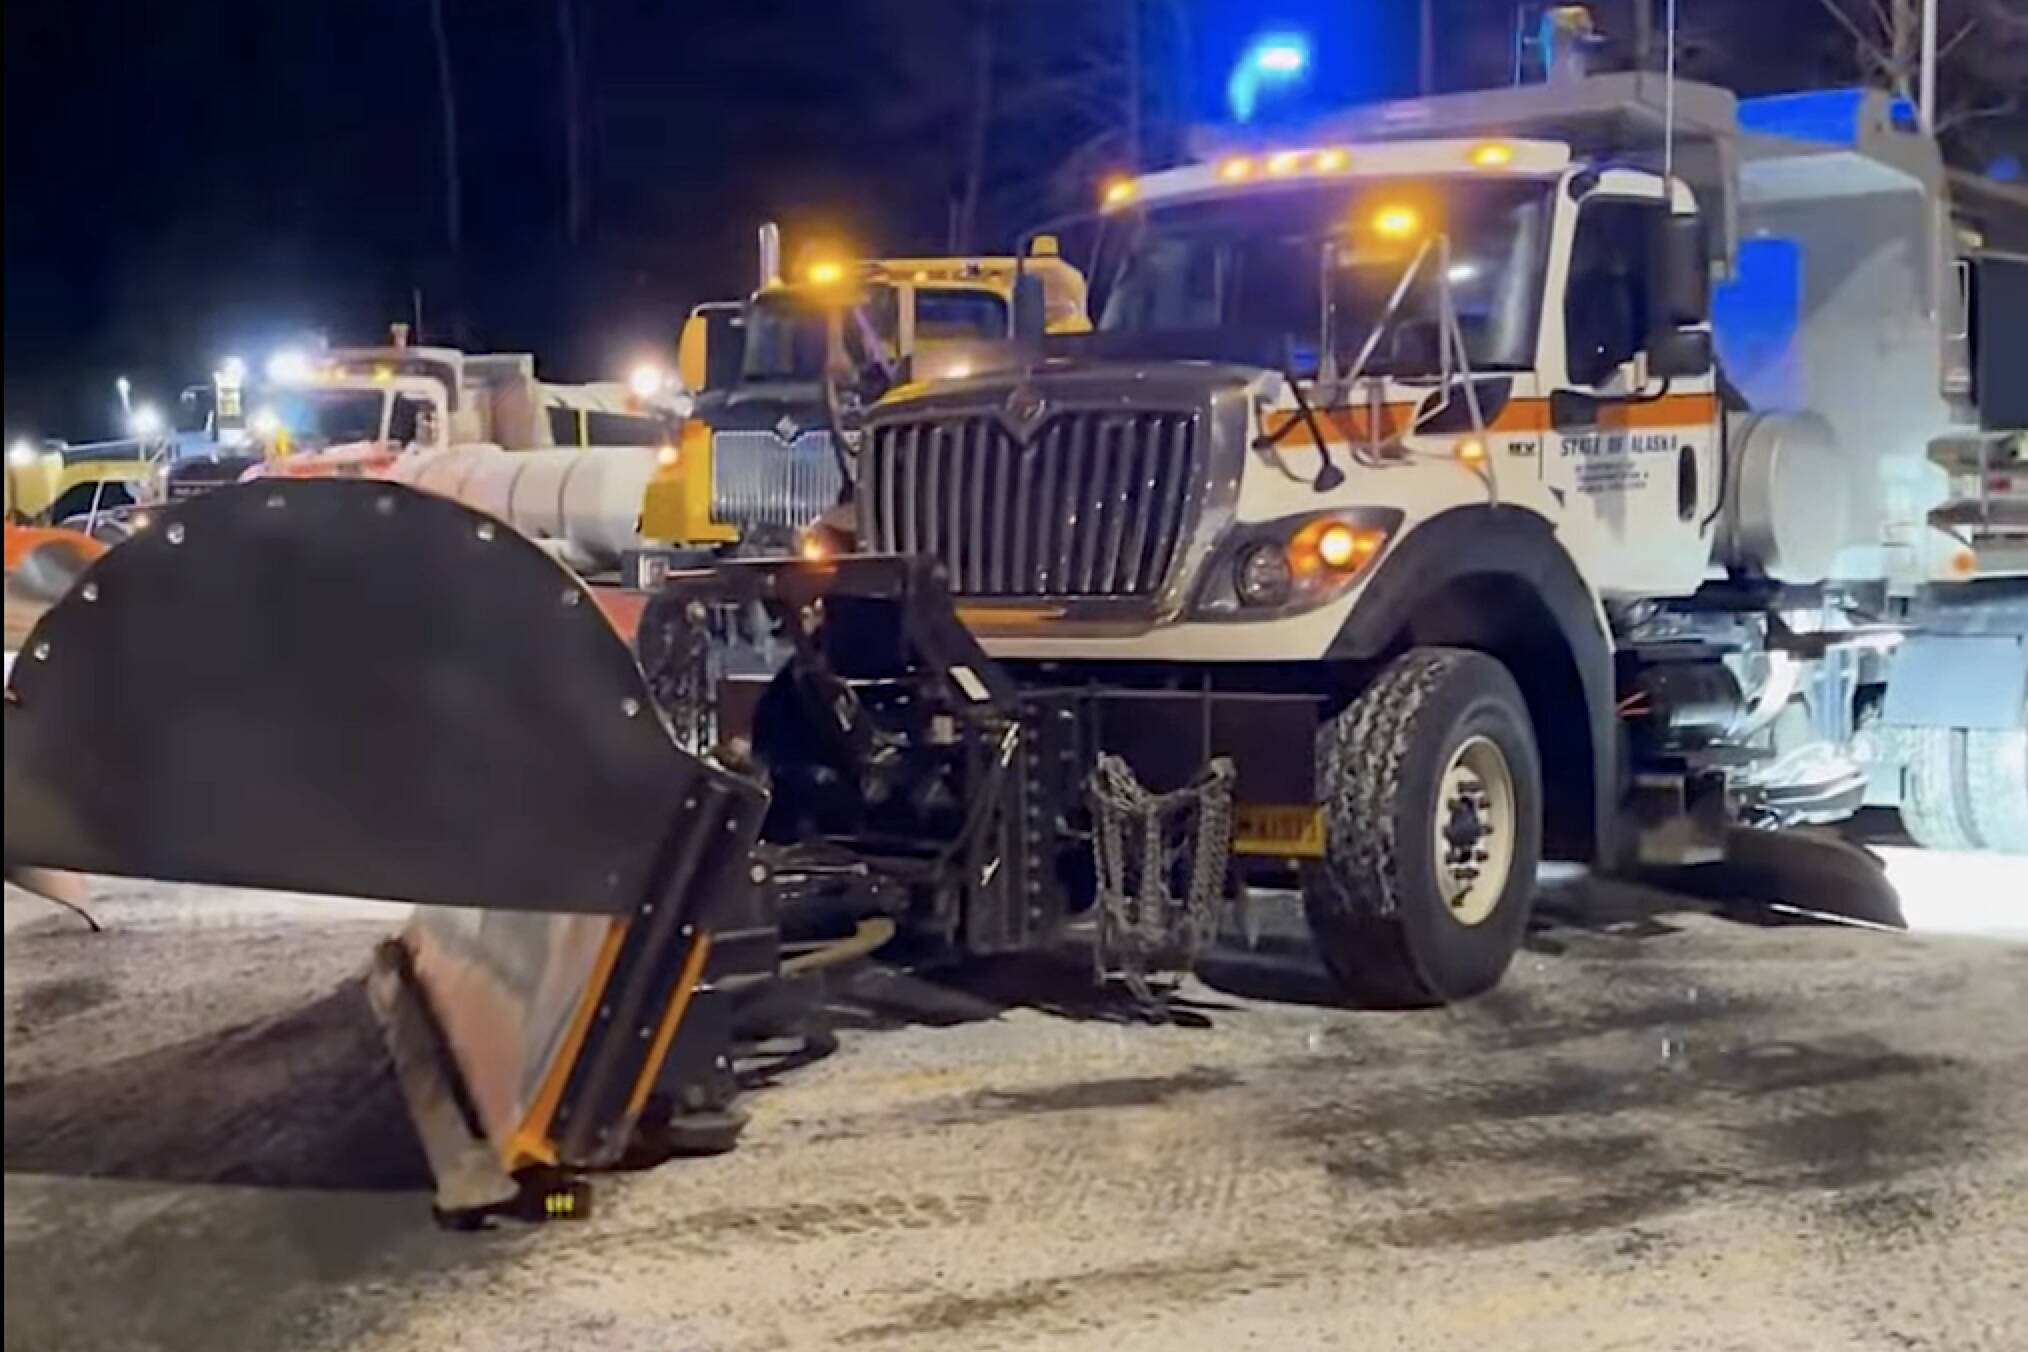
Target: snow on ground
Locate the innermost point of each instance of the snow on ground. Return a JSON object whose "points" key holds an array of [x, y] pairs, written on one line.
{"points": [[1666, 1130]]}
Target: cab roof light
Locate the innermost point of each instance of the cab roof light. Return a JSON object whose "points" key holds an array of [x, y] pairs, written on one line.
{"points": [[1397, 220], [1117, 192], [1235, 169], [1334, 159], [1284, 162], [1490, 155]]}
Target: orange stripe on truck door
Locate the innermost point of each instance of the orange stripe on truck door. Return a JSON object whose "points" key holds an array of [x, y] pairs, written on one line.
{"points": [[1352, 423]]}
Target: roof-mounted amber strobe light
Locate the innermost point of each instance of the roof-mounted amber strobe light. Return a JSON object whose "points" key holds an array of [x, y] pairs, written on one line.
{"points": [[1396, 220], [1490, 155], [824, 272]]}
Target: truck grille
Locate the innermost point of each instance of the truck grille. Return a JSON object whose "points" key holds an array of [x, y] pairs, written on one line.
{"points": [[761, 482], [1091, 503]]}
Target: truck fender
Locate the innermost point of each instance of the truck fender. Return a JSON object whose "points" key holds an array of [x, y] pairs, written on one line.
{"points": [[1496, 578]]}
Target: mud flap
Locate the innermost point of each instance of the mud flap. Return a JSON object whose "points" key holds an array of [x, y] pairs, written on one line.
{"points": [[1808, 874], [356, 688]]}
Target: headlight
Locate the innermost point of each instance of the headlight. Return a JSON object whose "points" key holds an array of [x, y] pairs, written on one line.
{"points": [[1292, 564], [1262, 575]]}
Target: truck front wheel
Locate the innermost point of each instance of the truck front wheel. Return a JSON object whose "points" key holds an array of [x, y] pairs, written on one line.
{"points": [[1432, 798]]}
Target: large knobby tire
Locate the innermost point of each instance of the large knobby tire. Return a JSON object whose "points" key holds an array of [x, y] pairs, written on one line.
{"points": [[1996, 787], [1933, 807], [1430, 774], [1967, 789]]}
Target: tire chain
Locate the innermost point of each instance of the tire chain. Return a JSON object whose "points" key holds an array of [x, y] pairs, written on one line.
{"points": [[1143, 928], [1362, 764]]}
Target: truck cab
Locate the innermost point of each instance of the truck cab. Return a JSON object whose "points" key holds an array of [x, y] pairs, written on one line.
{"points": [[757, 460]]}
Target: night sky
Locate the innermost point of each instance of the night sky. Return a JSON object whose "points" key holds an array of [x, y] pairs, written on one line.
{"points": [[196, 177]]}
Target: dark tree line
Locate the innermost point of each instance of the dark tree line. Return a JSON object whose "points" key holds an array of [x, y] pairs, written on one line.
{"points": [[569, 175]]}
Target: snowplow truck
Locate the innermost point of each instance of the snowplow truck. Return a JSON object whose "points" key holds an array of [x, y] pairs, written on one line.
{"points": [[1447, 491], [760, 459]]}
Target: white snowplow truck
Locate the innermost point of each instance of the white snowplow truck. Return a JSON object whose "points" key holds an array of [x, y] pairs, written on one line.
{"points": [[1416, 510], [567, 464]]}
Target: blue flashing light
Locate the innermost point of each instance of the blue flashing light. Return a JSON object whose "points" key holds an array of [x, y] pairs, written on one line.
{"points": [[1271, 60], [1281, 56], [1830, 116]]}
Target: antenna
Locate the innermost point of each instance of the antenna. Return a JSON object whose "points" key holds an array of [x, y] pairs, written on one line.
{"points": [[1928, 79], [1669, 110]]}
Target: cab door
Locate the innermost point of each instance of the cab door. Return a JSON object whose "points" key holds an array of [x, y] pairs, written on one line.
{"points": [[1630, 457]]}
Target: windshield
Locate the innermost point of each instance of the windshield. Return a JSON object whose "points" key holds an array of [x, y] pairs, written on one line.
{"points": [[330, 417], [784, 338], [785, 329], [957, 315], [785, 333], [1287, 273]]}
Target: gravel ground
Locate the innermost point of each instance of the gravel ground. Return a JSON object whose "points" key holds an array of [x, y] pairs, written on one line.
{"points": [[1666, 1130]]}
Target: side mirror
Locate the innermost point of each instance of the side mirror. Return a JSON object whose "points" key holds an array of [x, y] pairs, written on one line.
{"points": [[1679, 352], [1680, 278], [712, 347], [1572, 410], [693, 349], [1030, 317]]}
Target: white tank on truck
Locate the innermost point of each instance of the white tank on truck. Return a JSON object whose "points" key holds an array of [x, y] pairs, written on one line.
{"points": [[565, 464]]}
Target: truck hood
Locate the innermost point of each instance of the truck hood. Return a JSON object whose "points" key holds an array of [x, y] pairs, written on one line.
{"points": [[1075, 380]]}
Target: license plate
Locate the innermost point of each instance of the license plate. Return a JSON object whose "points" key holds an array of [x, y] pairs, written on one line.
{"points": [[1284, 832]]}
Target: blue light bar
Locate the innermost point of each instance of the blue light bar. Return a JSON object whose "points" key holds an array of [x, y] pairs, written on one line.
{"points": [[1830, 116], [1272, 59]]}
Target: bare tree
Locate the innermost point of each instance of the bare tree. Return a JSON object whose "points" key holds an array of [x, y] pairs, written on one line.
{"points": [[447, 102], [1982, 52], [965, 225], [571, 107]]}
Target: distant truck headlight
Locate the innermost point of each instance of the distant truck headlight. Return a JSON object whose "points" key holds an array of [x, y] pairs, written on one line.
{"points": [[1291, 564]]}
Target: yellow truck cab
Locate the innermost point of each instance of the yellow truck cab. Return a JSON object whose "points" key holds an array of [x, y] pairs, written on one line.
{"points": [[57, 484], [756, 460]]}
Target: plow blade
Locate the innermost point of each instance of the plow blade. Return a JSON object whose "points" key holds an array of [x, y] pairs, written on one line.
{"points": [[42, 563], [355, 688]]}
